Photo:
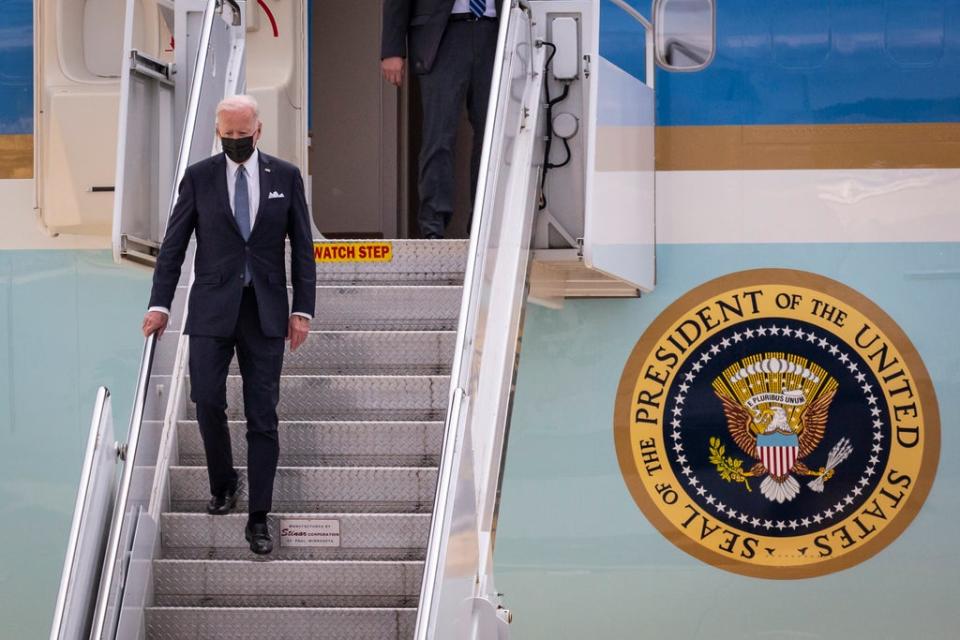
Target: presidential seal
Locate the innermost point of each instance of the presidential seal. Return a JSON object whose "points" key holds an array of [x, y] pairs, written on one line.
{"points": [[777, 424]]}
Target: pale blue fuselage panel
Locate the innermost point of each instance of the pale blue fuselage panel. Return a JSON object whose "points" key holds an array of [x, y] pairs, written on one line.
{"points": [[576, 557]]}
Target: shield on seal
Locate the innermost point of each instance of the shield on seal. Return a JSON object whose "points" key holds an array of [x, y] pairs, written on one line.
{"points": [[778, 452]]}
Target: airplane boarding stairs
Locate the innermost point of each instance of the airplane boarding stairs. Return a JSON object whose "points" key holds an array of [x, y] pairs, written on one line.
{"points": [[362, 404], [393, 420], [394, 414]]}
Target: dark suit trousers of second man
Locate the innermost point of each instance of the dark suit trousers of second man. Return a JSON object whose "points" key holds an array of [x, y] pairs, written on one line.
{"points": [[462, 71]]}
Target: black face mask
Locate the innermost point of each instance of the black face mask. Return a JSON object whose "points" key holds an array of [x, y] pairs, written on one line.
{"points": [[238, 149]]}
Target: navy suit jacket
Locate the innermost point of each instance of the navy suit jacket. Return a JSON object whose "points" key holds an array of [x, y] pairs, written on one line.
{"points": [[419, 22], [203, 207]]}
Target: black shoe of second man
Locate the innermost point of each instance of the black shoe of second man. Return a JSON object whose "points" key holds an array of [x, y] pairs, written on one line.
{"points": [[223, 504], [258, 535]]}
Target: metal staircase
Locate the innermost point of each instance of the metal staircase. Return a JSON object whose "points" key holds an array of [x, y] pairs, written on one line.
{"points": [[394, 415], [393, 422], [361, 429]]}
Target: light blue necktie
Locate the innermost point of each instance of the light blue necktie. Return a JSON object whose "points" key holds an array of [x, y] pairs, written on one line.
{"points": [[241, 210], [478, 7]]}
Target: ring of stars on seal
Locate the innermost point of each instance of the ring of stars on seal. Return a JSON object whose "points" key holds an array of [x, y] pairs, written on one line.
{"points": [[777, 424]]}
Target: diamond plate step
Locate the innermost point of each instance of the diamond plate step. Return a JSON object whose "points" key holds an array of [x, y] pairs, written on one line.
{"points": [[392, 444], [376, 307], [418, 308], [371, 352], [352, 398], [283, 583], [204, 623], [384, 536], [319, 489], [414, 261], [366, 394]]}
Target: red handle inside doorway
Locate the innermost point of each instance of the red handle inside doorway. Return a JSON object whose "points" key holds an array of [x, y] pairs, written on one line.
{"points": [[273, 21]]}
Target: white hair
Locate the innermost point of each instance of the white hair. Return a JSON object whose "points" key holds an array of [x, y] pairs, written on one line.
{"points": [[239, 103]]}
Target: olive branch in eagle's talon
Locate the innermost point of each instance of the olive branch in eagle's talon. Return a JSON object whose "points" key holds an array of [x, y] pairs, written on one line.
{"points": [[729, 468]]}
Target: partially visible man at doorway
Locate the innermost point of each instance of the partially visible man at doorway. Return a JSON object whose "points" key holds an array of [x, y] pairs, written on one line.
{"points": [[243, 205], [450, 45]]}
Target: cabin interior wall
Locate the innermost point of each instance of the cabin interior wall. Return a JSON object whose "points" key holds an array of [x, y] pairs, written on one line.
{"points": [[365, 135], [274, 64], [353, 124]]}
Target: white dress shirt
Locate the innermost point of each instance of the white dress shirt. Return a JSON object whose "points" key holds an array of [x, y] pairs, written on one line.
{"points": [[463, 6], [252, 167]]}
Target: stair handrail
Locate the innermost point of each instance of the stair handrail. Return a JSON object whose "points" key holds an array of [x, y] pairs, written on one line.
{"points": [[129, 450], [62, 620], [193, 100], [126, 453], [456, 428]]}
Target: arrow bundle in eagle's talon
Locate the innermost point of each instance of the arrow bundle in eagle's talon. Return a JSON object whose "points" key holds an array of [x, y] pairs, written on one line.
{"points": [[840, 452]]}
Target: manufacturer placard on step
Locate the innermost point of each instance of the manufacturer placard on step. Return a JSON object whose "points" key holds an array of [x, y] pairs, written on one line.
{"points": [[353, 251], [309, 532]]}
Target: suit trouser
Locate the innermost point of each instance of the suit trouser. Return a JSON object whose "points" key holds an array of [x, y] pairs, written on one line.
{"points": [[261, 361], [462, 71]]}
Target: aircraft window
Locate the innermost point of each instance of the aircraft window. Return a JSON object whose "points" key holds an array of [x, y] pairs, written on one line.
{"points": [[685, 33]]}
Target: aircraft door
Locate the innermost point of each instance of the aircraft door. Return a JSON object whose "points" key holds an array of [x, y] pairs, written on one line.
{"points": [[166, 119], [619, 217]]}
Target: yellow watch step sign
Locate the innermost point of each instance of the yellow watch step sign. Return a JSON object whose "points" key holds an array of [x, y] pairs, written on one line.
{"points": [[353, 251]]}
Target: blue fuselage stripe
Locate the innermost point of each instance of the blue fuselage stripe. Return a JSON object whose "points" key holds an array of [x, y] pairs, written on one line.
{"points": [[779, 62], [16, 66]]}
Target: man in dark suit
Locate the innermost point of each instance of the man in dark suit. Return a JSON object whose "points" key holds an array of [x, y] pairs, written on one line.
{"points": [[242, 204], [450, 45]]}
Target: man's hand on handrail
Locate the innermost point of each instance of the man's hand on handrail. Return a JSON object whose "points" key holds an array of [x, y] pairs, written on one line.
{"points": [[155, 322]]}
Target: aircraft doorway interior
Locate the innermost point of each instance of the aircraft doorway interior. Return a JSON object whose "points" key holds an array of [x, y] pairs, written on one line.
{"points": [[365, 134]]}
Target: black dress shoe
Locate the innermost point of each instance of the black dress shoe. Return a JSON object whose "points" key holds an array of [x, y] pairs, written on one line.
{"points": [[258, 535], [222, 505]]}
